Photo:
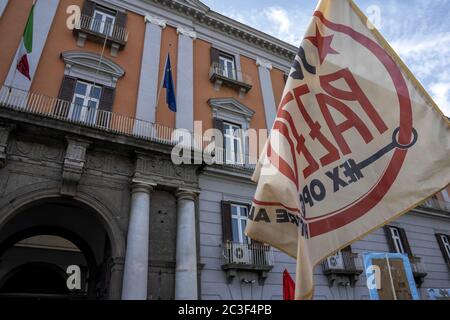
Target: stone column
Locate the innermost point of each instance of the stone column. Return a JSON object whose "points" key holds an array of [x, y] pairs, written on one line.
{"points": [[136, 257], [185, 79], [186, 264], [148, 83], [270, 108], [44, 12], [3, 4]]}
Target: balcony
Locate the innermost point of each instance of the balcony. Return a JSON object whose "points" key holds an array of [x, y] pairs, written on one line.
{"points": [[250, 257], [418, 269], [234, 79], [87, 27], [343, 268], [219, 154], [436, 204], [65, 111], [70, 113]]}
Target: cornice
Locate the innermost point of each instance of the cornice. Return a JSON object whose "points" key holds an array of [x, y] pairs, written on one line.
{"points": [[218, 22]]}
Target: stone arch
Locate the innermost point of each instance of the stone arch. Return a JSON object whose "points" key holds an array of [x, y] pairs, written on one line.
{"points": [[21, 200]]}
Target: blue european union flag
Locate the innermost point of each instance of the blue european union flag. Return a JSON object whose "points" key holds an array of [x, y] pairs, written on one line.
{"points": [[168, 85]]}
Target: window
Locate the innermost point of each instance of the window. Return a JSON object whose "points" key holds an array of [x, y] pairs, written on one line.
{"points": [[238, 223], [395, 234], [446, 196], [233, 143], [105, 25], [85, 102], [227, 66], [444, 245], [103, 22], [397, 240]]}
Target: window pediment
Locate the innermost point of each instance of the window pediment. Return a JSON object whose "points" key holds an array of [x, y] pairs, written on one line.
{"points": [[85, 64], [223, 107]]}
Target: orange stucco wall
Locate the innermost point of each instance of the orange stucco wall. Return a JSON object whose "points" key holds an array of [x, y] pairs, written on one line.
{"points": [[12, 24], [204, 88], [278, 84], [169, 43], [50, 70]]}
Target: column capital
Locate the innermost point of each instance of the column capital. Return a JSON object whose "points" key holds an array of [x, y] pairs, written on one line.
{"points": [[138, 185], [188, 194], [264, 64], [186, 32], [156, 21]]}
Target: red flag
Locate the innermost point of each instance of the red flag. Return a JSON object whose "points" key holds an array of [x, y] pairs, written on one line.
{"points": [[288, 286]]}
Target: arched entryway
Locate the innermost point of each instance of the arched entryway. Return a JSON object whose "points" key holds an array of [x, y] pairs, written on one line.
{"points": [[35, 279], [41, 242]]}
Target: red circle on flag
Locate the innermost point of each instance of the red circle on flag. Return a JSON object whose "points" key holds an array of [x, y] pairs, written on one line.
{"points": [[332, 221]]}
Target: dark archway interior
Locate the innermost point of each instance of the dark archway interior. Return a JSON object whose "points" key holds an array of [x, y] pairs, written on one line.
{"points": [[44, 278], [40, 244]]}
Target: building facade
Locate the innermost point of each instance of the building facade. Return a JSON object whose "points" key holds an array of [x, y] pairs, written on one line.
{"points": [[86, 172]]}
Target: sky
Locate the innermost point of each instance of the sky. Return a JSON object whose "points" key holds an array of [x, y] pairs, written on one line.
{"points": [[419, 30]]}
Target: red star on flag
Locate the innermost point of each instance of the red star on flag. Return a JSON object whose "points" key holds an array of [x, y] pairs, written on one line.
{"points": [[323, 44]]}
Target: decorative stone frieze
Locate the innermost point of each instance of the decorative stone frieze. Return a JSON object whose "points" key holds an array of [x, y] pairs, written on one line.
{"points": [[73, 166], [4, 137]]}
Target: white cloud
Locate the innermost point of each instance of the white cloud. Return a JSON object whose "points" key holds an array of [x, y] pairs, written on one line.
{"points": [[441, 95], [279, 17], [284, 24], [429, 59]]}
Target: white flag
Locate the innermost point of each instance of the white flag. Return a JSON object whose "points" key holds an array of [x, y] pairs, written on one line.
{"points": [[356, 143]]}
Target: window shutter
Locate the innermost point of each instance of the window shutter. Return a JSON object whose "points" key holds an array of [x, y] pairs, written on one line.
{"points": [[347, 249], [226, 222], [405, 242], [121, 19], [442, 247], [214, 56], [389, 239], [349, 261], [105, 104], [218, 124], [88, 8], [65, 96], [67, 88], [107, 99]]}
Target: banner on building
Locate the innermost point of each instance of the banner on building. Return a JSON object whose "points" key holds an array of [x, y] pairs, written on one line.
{"points": [[356, 143], [390, 277]]}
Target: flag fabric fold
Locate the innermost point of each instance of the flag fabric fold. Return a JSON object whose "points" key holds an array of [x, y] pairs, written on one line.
{"points": [[26, 46], [357, 142], [168, 85], [288, 286]]}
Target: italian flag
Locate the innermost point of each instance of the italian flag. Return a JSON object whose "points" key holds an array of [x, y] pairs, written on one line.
{"points": [[26, 47]]}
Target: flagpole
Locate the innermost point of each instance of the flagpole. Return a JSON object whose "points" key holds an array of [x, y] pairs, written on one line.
{"points": [[390, 278], [17, 56], [96, 74], [13, 80]]}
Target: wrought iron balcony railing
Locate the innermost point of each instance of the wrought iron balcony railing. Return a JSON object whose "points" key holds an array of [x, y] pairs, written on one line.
{"points": [[66, 111], [232, 78], [344, 262], [256, 255], [102, 29], [343, 268], [417, 265]]}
